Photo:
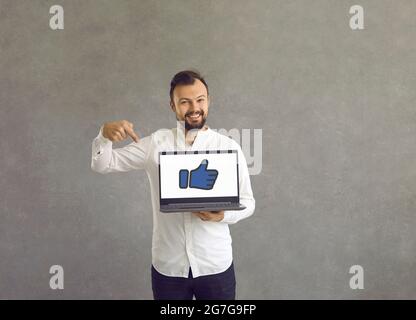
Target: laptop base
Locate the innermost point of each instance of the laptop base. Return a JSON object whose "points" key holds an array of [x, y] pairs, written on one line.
{"points": [[189, 207]]}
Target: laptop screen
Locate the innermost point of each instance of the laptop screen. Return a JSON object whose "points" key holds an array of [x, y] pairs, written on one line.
{"points": [[198, 175]]}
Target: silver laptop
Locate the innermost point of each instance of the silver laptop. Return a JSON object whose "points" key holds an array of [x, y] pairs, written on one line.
{"points": [[199, 181]]}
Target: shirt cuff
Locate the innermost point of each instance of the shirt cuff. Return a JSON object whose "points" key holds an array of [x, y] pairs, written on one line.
{"points": [[101, 139], [229, 217], [100, 144]]}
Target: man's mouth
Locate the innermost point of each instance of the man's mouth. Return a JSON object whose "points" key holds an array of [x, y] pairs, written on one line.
{"points": [[194, 116]]}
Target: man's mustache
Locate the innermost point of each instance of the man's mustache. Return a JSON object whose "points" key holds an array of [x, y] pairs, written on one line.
{"points": [[190, 113]]}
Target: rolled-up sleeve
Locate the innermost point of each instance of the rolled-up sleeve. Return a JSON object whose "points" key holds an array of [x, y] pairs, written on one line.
{"points": [[246, 193]]}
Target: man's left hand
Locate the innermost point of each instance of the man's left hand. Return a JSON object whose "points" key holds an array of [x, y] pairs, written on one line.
{"points": [[210, 215]]}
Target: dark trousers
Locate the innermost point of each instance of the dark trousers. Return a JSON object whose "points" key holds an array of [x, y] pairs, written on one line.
{"points": [[220, 286]]}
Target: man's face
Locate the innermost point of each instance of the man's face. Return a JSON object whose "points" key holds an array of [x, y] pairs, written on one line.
{"points": [[190, 104]]}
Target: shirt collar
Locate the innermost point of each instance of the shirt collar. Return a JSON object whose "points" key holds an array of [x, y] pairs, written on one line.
{"points": [[180, 137]]}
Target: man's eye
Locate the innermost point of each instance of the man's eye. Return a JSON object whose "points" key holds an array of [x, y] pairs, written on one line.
{"points": [[200, 100], [183, 102]]}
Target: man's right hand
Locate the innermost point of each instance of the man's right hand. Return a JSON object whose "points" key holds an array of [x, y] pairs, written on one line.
{"points": [[119, 130]]}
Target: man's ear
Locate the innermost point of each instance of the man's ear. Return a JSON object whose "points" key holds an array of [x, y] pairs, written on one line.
{"points": [[172, 106]]}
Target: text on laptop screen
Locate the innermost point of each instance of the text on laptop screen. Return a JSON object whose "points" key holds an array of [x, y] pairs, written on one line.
{"points": [[198, 175]]}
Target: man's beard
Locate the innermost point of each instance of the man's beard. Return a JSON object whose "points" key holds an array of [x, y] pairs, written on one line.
{"points": [[199, 125]]}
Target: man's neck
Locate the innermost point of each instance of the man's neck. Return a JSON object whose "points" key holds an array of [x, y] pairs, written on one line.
{"points": [[190, 135]]}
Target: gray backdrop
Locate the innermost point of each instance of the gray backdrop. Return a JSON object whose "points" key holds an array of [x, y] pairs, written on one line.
{"points": [[336, 108]]}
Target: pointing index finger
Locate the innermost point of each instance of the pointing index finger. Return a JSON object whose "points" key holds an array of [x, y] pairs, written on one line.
{"points": [[131, 133]]}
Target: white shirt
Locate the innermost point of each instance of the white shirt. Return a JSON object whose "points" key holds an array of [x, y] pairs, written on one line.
{"points": [[180, 240]]}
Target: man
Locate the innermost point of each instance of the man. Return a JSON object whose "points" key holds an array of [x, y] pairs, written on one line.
{"points": [[191, 252]]}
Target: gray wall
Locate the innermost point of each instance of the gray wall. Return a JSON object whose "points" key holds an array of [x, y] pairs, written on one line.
{"points": [[336, 106]]}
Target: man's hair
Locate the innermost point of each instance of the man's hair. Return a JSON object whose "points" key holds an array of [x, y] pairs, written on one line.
{"points": [[186, 77]]}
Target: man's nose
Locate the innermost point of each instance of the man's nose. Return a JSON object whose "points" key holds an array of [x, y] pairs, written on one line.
{"points": [[192, 104]]}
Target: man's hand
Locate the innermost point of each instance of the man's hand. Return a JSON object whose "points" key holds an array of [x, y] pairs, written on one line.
{"points": [[210, 215], [119, 130]]}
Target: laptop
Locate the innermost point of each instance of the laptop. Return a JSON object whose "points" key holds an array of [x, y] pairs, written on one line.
{"points": [[199, 181]]}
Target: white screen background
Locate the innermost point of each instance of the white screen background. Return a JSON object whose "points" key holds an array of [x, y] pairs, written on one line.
{"points": [[225, 185]]}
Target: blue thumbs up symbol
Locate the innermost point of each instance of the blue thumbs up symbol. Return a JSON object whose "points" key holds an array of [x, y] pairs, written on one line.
{"points": [[200, 178]]}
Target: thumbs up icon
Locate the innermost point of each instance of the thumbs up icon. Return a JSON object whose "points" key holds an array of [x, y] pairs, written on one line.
{"points": [[200, 178]]}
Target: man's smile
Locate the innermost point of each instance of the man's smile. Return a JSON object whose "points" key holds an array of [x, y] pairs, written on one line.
{"points": [[194, 116]]}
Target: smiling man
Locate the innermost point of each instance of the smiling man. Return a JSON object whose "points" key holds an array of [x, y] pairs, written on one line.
{"points": [[191, 252]]}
